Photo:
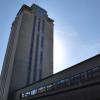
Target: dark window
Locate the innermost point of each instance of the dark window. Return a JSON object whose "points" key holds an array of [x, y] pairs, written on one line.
{"points": [[36, 57], [43, 26], [31, 50], [90, 73], [96, 71], [61, 83], [40, 73], [71, 80], [83, 76], [49, 87], [41, 58], [33, 92], [42, 41], [67, 82], [54, 86], [41, 64], [75, 79], [27, 94], [22, 95], [42, 89], [39, 21]]}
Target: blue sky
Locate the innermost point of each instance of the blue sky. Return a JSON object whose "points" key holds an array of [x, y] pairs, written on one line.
{"points": [[76, 30]]}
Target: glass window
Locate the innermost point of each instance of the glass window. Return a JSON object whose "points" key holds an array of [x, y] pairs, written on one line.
{"points": [[22, 95], [49, 87], [71, 80], [40, 73], [96, 71], [43, 25], [41, 58], [27, 94], [36, 57], [90, 73], [41, 65], [77, 78], [67, 82], [54, 85], [39, 24], [60, 83], [83, 76], [42, 42], [33, 92], [31, 50], [42, 89]]}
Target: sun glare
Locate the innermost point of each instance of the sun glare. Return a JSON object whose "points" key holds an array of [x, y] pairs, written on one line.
{"points": [[58, 54]]}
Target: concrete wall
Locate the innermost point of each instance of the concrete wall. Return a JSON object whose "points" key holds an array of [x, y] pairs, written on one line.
{"points": [[21, 59], [9, 59], [87, 93], [86, 86], [22, 47]]}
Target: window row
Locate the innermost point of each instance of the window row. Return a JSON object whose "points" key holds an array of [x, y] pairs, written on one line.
{"points": [[66, 82]]}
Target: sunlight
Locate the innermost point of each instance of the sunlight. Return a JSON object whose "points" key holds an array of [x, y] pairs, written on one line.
{"points": [[58, 54]]}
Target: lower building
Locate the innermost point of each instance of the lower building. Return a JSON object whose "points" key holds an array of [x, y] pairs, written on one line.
{"points": [[81, 81]]}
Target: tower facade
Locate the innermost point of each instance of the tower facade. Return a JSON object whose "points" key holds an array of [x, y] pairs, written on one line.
{"points": [[29, 54]]}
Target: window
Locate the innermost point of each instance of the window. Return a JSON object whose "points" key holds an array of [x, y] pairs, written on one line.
{"points": [[54, 86], [41, 58], [49, 87], [71, 80], [27, 94], [43, 25], [61, 83], [36, 57], [39, 21], [42, 89], [41, 64], [83, 76], [96, 71], [77, 78], [67, 82], [42, 42], [22, 95], [33, 92], [31, 49], [90, 73]]}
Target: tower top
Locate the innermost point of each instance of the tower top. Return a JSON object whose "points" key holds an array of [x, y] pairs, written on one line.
{"points": [[38, 7], [25, 7], [34, 6]]}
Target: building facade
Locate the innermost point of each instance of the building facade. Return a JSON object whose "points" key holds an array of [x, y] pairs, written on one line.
{"points": [[79, 82], [29, 55]]}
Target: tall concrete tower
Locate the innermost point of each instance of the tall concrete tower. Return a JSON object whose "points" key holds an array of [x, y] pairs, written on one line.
{"points": [[29, 55]]}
